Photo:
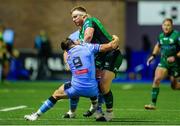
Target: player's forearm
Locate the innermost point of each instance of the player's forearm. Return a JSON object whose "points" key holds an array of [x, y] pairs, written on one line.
{"points": [[87, 39], [105, 47], [111, 45], [65, 57], [156, 50], [88, 34], [178, 55]]}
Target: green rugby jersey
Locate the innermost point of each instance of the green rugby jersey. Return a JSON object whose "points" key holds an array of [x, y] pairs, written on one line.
{"points": [[169, 44], [100, 35]]}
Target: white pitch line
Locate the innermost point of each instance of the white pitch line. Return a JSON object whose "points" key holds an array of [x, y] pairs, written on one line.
{"points": [[118, 109], [127, 87], [13, 108]]}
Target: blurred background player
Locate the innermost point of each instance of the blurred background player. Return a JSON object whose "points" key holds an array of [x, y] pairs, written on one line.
{"points": [[83, 83], [107, 64], [4, 55], [168, 45], [43, 46]]}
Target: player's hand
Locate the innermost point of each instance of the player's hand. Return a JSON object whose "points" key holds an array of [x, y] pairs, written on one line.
{"points": [[77, 42], [115, 42], [150, 59], [171, 59]]}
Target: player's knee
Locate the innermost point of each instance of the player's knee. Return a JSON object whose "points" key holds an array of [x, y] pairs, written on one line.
{"points": [[105, 90], [105, 87], [157, 81], [174, 86], [56, 94]]}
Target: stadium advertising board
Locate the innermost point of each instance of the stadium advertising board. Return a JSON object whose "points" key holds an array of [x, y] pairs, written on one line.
{"points": [[154, 12]]}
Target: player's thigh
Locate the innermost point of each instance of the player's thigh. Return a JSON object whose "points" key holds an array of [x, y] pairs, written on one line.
{"points": [[113, 61], [70, 91], [174, 81], [160, 74], [106, 80], [59, 93]]}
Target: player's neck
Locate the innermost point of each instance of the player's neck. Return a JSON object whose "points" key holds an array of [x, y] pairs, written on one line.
{"points": [[169, 33], [72, 46]]}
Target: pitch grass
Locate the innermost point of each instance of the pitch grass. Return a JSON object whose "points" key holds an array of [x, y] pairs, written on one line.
{"points": [[129, 101]]}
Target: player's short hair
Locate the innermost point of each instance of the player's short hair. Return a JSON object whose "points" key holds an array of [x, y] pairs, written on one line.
{"points": [[168, 19], [79, 8], [66, 44]]}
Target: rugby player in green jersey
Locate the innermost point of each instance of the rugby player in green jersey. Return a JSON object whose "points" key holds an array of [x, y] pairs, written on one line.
{"points": [[168, 46], [107, 64]]}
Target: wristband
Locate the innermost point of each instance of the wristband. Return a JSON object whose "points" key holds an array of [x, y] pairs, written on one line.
{"points": [[154, 55]]}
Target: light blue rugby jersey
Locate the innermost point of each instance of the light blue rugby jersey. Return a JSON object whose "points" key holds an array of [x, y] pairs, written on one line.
{"points": [[74, 36], [81, 61]]}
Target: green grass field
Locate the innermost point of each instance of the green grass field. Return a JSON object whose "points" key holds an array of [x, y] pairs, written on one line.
{"points": [[129, 100]]}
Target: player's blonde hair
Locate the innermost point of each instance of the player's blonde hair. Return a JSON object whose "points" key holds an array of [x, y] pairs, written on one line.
{"points": [[79, 8], [168, 19]]}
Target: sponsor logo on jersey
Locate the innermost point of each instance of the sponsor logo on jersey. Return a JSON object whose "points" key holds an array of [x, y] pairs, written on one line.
{"points": [[161, 42], [165, 38], [83, 71]]}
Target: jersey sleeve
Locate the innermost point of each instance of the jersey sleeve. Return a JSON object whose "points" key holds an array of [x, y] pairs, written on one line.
{"points": [[158, 41], [88, 23], [93, 48], [74, 36]]}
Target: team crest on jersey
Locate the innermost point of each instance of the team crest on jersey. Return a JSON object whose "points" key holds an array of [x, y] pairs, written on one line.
{"points": [[116, 69], [171, 41], [106, 63], [175, 73]]}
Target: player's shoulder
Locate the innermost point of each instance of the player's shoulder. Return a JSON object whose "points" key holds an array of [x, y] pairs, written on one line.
{"points": [[161, 35], [88, 45], [91, 19], [85, 44], [88, 21], [176, 32]]}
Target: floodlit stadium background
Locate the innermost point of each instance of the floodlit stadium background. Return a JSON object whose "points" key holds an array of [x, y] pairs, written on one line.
{"points": [[136, 22]]}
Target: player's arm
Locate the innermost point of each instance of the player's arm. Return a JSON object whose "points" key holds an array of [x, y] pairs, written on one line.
{"points": [[65, 61], [111, 45], [155, 52], [178, 54], [173, 58], [88, 34]]}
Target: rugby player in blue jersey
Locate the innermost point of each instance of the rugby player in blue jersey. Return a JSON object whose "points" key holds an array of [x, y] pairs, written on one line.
{"points": [[83, 83], [91, 30]]}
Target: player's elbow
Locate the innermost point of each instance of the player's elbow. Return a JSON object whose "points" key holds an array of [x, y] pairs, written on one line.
{"points": [[88, 38]]}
